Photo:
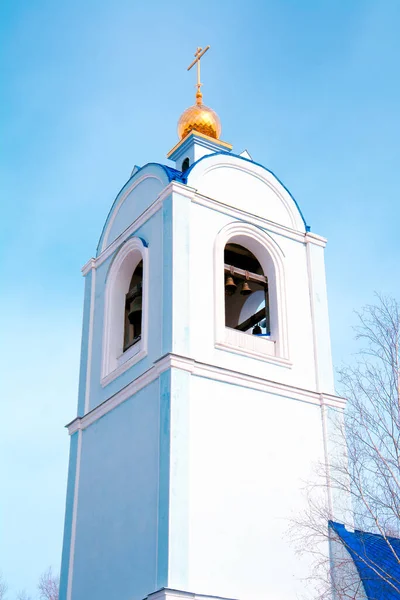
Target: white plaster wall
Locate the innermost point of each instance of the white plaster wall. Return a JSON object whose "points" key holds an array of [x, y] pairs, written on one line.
{"points": [[249, 455], [131, 203]]}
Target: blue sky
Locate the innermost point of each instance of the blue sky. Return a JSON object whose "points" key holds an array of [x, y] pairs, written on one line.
{"points": [[309, 87]]}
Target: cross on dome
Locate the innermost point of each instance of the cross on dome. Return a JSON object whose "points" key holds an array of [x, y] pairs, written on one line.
{"points": [[198, 54], [199, 117]]}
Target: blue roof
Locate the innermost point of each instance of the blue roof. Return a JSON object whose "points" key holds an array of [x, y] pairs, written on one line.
{"points": [[377, 561], [173, 174]]}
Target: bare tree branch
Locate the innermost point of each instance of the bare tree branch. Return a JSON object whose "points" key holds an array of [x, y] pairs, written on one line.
{"points": [[49, 585], [367, 468], [22, 595], [3, 588]]}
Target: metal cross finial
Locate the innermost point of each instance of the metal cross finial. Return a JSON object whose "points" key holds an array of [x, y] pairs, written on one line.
{"points": [[198, 54]]}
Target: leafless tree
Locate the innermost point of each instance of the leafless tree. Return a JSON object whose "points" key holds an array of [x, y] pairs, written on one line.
{"points": [[3, 588], [22, 595], [360, 485], [49, 586]]}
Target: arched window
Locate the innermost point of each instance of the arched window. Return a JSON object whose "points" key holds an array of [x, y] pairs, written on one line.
{"points": [[125, 333], [250, 294], [185, 164], [246, 292], [133, 308]]}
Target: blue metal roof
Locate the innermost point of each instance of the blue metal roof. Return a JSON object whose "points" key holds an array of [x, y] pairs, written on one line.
{"points": [[377, 561], [173, 174]]}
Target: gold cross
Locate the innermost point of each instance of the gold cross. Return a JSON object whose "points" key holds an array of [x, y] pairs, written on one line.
{"points": [[198, 54]]}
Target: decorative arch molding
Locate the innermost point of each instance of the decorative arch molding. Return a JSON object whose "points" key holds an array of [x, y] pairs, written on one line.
{"points": [[120, 199], [222, 160], [114, 360], [272, 260]]}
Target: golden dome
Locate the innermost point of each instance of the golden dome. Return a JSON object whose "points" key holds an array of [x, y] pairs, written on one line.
{"points": [[199, 118]]}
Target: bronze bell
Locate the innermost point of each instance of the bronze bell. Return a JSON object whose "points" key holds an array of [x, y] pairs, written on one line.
{"points": [[230, 285], [246, 290], [135, 311], [257, 330]]}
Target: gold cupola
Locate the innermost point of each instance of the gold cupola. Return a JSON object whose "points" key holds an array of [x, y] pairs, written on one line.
{"points": [[199, 117], [199, 128]]}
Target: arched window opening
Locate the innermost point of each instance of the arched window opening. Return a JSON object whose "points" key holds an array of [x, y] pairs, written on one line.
{"points": [[133, 308], [185, 164], [246, 292]]}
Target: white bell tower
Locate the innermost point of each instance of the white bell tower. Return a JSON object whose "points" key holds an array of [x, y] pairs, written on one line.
{"points": [[206, 378]]}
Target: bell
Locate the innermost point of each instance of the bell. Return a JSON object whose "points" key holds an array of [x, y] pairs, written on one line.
{"points": [[230, 285], [135, 311], [246, 290], [257, 330]]}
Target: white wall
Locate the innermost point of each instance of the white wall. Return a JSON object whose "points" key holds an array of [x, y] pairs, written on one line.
{"points": [[249, 455]]}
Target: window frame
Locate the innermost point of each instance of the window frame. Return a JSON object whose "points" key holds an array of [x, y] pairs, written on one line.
{"points": [[271, 258], [116, 360]]}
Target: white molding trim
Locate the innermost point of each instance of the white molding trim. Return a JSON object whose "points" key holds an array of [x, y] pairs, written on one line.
{"points": [[264, 356], [91, 264], [313, 238], [197, 198], [143, 218], [113, 360], [174, 186], [251, 218], [272, 263], [121, 200], [74, 517], [90, 339], [215, 372], [124, 366], [312, 311]]}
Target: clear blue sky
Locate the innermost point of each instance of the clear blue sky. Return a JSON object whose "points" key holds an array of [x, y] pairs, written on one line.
{"points": [[310, 87]]}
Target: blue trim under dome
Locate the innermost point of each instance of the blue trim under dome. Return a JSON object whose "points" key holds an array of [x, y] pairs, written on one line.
{"points": [[173, 174], [377, 561]]}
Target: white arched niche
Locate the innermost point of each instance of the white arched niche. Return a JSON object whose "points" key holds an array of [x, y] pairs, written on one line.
{"points": [[114, 360], [271, 258]]}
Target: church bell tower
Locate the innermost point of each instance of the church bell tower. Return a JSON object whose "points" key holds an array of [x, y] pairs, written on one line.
{"points": [[205, 383]]}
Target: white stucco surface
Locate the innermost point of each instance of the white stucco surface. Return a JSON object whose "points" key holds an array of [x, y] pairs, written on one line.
{"points": [[249, 456]]}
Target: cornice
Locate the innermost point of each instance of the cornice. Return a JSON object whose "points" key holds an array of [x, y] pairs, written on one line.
{"points": [[183, 190], [196, 198], [91, 264], [215, 372], [313, 238], [194, 137], [239, 214]]}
